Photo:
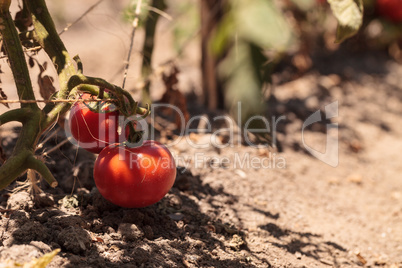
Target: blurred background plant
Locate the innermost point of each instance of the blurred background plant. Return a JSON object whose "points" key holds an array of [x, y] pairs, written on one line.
{"points": [[243, 42]]}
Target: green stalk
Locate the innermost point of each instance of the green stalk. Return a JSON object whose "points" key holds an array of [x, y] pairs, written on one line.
{"points": [[12, 168], [29, 114], [31, 128], [18, 64], [46, 35], [81, 80], [148, 48], [19, 115], [42, 169], [49, 39], [34, 120]]}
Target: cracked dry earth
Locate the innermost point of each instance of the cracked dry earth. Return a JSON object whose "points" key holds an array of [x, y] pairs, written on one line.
{"points": [[295, 212]]}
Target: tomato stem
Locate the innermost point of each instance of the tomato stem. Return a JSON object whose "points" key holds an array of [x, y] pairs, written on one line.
{"points": [[34, 120], [29, 114], [101, 93], [120, 94], [80, 67], [13, 47]]}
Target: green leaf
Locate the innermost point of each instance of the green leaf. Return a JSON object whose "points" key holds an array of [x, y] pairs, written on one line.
{"points": [[224, 34], [244, 75], [243, 83], [263, 24], [186, 21], [349, 14], [41, 262]]}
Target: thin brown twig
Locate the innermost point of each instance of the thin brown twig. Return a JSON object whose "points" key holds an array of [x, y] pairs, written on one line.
{"points": [[164, 65], [159, 12], [46, 153], [80, 17], [32, 49], [48, 137], [135, 25]]}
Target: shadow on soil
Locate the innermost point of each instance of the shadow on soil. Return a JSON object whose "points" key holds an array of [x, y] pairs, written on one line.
{"points": [[307, 244], [174, 232], [93, 232]]}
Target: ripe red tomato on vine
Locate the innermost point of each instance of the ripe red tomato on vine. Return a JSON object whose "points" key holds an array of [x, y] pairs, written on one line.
{"points": [[95, 127], [135, 177], [390, 9]]}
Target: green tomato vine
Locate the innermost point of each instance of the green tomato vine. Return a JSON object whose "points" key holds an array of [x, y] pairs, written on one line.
{"points": [[36, 121]]}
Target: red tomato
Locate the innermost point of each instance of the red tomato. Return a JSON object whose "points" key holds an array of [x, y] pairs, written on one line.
{"points": [[390, 9], [94, 131], [135, 177]]}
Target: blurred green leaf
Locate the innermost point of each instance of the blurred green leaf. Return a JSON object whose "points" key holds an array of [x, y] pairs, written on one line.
{"points": [[40, 262], [263, 24], [43, 261], [249, 28], [349, 14], [224, 34], [243, 72], [258, 21], [186, 22]]}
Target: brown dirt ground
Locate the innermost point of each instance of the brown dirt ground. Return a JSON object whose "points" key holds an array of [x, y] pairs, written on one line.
{"points": [[303, 214]]}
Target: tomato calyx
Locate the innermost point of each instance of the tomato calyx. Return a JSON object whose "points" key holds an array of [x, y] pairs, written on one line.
{"points": [[136, 136], [96, 105], [100, 107]]}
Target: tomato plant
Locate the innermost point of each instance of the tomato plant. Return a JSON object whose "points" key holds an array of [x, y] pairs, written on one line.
{"points": [[135, 177], [390, 9], [34, 17], [95, 126]]}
